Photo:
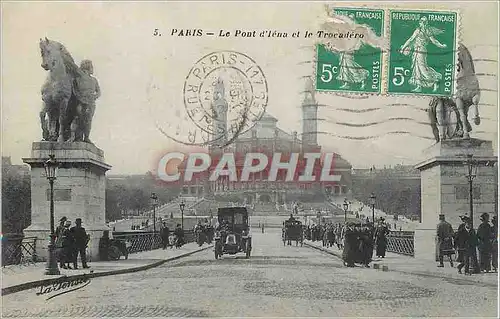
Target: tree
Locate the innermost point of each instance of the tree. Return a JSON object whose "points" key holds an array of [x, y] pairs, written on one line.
{"points": [[16, 202]]}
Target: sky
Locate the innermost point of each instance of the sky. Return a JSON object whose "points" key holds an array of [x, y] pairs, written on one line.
{"points": [[142, 76]]}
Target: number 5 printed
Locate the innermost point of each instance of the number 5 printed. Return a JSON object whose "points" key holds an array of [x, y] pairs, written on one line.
{"points": [[329, 70], [400, 75]]}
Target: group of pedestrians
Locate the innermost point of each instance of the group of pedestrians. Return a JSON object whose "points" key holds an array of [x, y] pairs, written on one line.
{"points": [[168, 239], [467, 242], [71, 242], [356, 240], [204, 232]]}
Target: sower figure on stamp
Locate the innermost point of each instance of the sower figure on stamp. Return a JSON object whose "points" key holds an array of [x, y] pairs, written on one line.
{"points": [[88, 91], [81, 240], [423, 75], [445, 240]]}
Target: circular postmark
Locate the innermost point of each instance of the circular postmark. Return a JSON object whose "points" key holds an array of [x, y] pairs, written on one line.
{"points": [[225, 94]]}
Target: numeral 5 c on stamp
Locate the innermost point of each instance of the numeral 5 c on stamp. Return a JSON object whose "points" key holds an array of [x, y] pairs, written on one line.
{"points": [[423, 53]]}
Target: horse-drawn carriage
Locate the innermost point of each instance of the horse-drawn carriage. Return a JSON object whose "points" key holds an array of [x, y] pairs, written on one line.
{"points": [[292, 230], [233, 233]]}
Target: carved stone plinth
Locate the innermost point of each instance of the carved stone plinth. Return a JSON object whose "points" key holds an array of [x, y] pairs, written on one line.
{"points": [[445, 188], [79, 191]]}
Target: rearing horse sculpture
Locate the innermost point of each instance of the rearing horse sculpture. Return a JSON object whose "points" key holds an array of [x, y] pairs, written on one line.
{"points": [[60, 102], [449, 116]]}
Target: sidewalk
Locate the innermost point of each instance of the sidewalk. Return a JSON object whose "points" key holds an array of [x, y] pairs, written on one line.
{"points": [[20, 277], [410, 265]]}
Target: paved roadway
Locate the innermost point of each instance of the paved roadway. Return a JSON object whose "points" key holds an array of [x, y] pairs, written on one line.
{"points": [[276, 281]]}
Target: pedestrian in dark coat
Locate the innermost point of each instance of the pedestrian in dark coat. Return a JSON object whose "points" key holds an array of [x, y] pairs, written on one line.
{"points": [[81, 240], [494, 251], [67, 245], [445, 240], [59, 246], [462, 244], [485, 247], [350, 246], [164, 233], [381, 238], [470, 247], [179, 233], [366, 243]]}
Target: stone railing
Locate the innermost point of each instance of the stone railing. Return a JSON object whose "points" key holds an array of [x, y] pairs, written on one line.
{"points": [[401, 242], [143, 241], [18, 250]]}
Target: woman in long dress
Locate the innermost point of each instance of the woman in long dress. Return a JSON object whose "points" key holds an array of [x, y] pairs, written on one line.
{"points": [[423, 76]]}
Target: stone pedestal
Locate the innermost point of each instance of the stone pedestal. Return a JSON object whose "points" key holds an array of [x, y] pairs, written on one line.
{"points": [[79, 191], [445, 188]]}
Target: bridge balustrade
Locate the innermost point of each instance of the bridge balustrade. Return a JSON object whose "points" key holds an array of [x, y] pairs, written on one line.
{"points": [[401, 242], [143, 241], [18, 250]]}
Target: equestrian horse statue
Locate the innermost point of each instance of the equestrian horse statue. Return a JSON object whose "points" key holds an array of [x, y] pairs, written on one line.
{"points": [[449, 116], [60, 118]]}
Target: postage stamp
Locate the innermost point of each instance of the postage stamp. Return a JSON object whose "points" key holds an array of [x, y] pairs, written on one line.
{"points": [[423, 52], [357, 68], [225, 94]]}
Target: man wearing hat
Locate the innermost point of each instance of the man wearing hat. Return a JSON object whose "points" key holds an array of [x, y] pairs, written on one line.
{"points": [[445, 240], [464, 242], [81, 240], [485, 247]]}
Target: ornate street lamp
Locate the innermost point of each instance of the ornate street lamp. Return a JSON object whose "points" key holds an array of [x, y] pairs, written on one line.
{"points": [[154, 203], [372, 202], [50, 171], [182, 205], [472, 166], [471, 174], [346, 207]]}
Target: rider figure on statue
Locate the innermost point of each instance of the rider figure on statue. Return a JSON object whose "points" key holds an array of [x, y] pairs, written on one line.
{"points": [[88, 91]]}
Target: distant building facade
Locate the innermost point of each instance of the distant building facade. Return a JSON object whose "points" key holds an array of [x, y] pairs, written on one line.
{"points": [[266, 137]]}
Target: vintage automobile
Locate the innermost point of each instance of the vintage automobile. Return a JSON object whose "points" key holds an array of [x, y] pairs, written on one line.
{"points": [[292, 230], [232, 235]]}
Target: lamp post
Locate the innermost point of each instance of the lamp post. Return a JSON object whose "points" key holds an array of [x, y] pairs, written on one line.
{"points": [[182, 205], [154, 202], [472, 166], [372, 202], [471, 174], [50, 171], [346, 207]]}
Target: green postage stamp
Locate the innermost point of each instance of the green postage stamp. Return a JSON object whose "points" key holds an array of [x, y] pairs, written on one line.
{"points": [[358, 69], [423, 53]]}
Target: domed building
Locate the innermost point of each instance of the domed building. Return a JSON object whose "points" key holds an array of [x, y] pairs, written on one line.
{"points": [[267, 137]]}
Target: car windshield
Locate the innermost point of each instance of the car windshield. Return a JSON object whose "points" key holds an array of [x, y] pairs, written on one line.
{"points": [[238, 219], [227, 218]]}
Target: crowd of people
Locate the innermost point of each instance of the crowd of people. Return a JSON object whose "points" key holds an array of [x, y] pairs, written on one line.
{"points": [[356, 240], [71, 242], [467, 242]]}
